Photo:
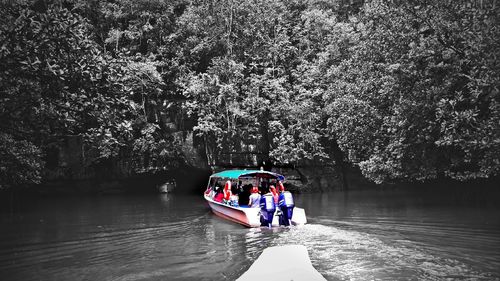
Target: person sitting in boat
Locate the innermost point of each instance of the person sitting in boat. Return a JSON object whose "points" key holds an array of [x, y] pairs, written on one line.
{"points": [[227, 192], [267, 209], [217, 194], [286, 205], [239, 187], [254, 199], [233, 201]]}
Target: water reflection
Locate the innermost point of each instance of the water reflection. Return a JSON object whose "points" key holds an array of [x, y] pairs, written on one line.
{"points": [[354, 235]]}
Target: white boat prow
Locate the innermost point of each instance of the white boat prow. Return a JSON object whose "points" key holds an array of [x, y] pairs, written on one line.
{"points": [[289, 262]]}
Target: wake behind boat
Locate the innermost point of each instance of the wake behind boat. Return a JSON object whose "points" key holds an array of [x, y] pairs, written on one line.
{"points": [[252, 198]]}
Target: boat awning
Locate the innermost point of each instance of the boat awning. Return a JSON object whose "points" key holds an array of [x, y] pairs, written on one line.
{"points": [[236, 174]]}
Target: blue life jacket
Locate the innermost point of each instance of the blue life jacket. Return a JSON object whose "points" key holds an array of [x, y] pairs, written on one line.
{"points": [[267, 203], [286, 200]]}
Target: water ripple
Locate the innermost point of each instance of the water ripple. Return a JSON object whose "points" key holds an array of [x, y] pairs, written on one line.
{"points": [[344, 254]]}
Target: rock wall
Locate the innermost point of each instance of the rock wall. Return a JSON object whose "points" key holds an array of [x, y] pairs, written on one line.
{"points": [[70, 168]]}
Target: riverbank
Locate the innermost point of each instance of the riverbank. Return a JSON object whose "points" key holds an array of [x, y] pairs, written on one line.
{"points": [[186, 180], [193, 181]]}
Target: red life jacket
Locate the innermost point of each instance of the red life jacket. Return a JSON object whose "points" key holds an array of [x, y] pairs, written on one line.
{"points": [[218, 197], [227, 191]]}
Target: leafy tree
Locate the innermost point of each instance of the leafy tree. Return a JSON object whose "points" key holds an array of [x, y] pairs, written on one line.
{"points": [[20, 164], [51, 83], [218, 103], [417, 98], [56, 82]]}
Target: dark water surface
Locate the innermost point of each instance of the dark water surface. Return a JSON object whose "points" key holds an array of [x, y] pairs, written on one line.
{"points": [[357, 235]]}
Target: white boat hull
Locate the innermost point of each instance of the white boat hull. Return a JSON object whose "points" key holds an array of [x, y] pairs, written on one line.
{"points": [[250, 217]]}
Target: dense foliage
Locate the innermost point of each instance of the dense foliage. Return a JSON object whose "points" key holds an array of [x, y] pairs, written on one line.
{"points": [[417, 97], [403, 91]]}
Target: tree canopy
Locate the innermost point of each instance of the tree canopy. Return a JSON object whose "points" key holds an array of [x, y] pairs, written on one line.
{"points": [[402, 91]]}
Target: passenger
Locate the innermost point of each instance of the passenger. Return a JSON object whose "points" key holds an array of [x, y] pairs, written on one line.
{"points": [[267, 209], [264, 186], [254, 199], [227, 192], [286, 206], [218, 197], [240, 187], [215, 191], [234, 200], [244, 194]]}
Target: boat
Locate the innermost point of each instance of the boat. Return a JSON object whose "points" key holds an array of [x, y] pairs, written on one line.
{"points": [[243, 180], [167, 187], [289, 262]]}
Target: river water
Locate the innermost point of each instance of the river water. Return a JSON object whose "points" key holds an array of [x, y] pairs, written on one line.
{"points": [[356, 235]]}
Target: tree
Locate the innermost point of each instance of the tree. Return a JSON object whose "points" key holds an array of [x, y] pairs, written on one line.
{"points": [[56, 82], [51, 84], [218, 103], [418, 97]]}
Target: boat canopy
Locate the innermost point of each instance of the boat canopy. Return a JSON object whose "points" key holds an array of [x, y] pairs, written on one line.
{"points": [[236, 174]]}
